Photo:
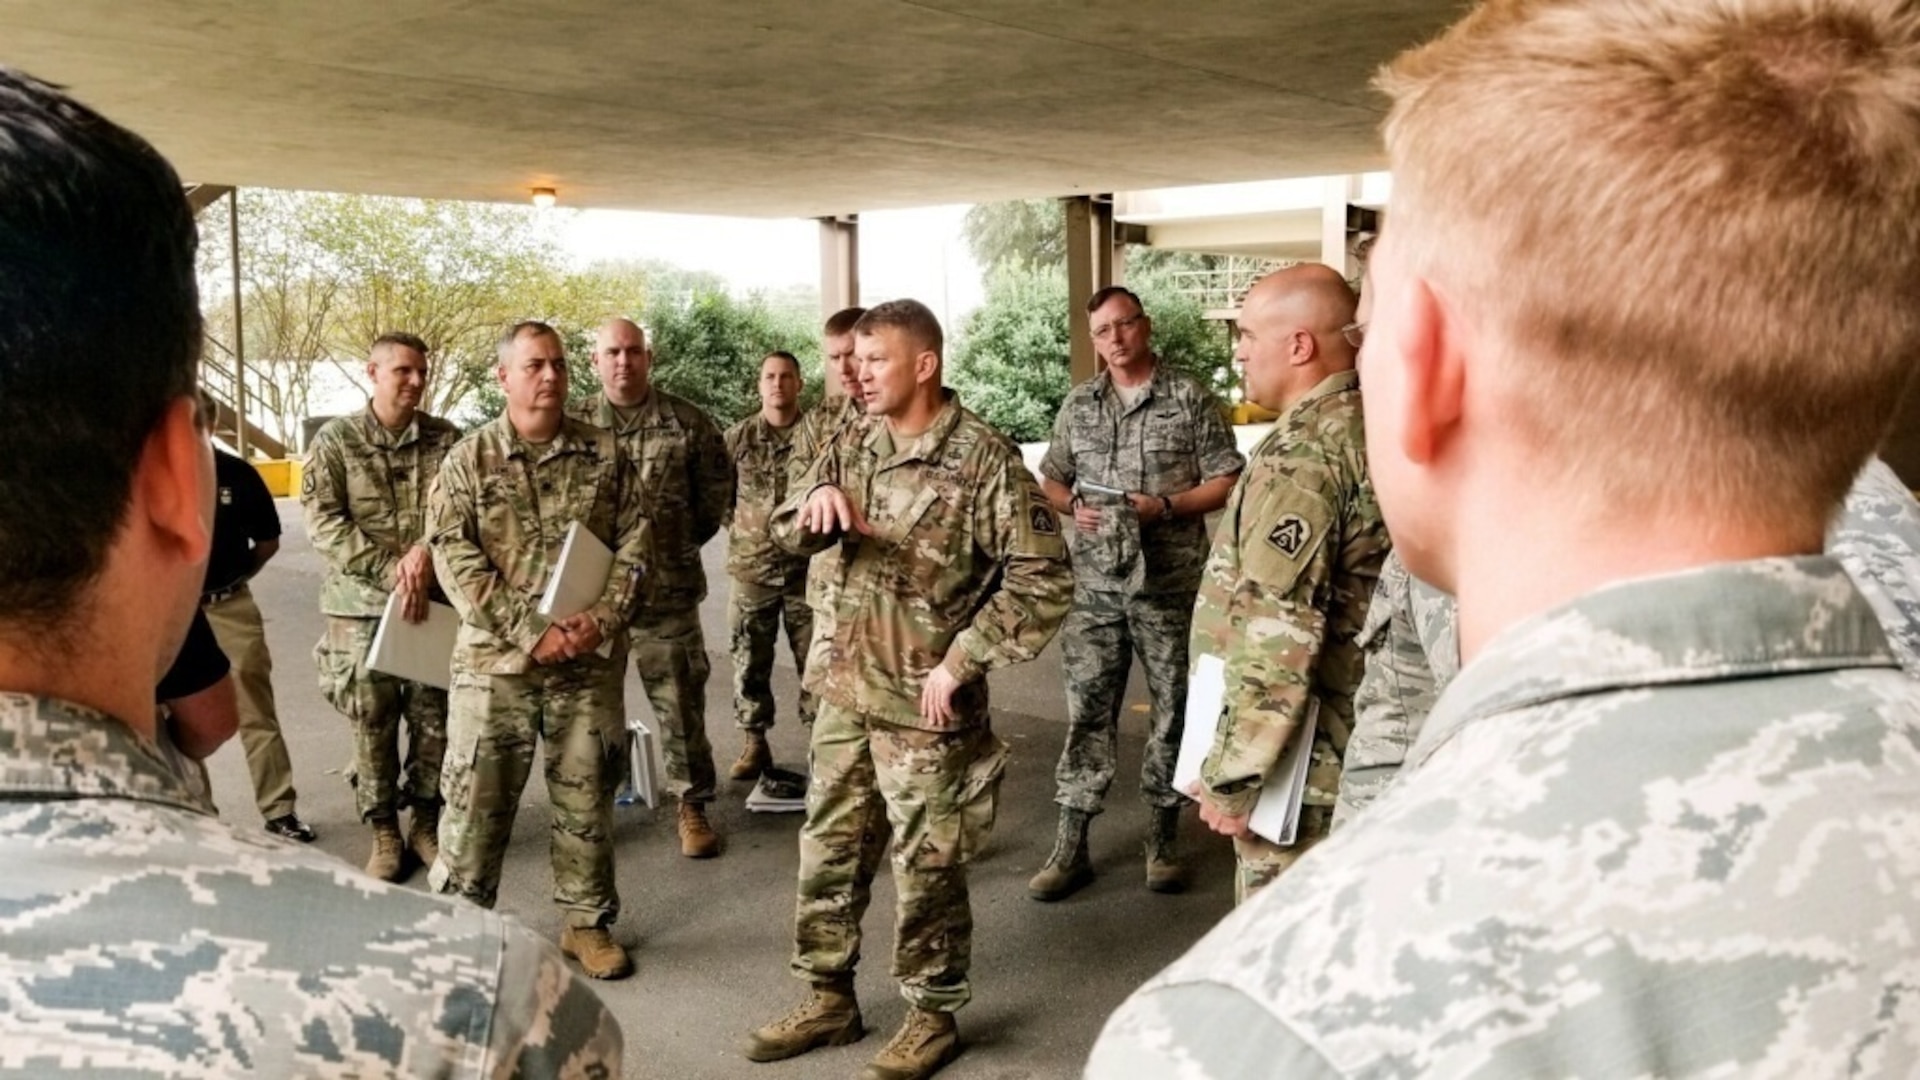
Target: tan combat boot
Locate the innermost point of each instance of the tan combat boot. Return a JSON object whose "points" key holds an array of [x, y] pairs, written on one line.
{"points": [[697, 839], [423, 834], [1068, 869], [829, 1017], [599, 955], [1165, 874], [388, 857], [755, 756], [924, 1043]]}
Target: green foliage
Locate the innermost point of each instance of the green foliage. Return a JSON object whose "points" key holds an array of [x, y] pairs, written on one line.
{"points": [[708, 349], [1019, 233]]}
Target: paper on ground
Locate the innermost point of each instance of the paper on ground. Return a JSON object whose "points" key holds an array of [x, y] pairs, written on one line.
{"points": [[1276, 815], [579, 575], [421, 652]]}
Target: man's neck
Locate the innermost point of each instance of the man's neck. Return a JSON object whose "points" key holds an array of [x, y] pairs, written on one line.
{"points": [[919, 412], [392, 416], [780, 418], [99, 673], [534, 425], [1132, 375]]}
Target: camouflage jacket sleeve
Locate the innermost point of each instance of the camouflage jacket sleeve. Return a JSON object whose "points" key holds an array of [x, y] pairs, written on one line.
{"points": [[547, 1021], [1201, 1029], [632, 550], [784, 526], [1057, 464], [342, 543], [734, 438], [710, 478], [472, 582], [1015, 524], [1275, 630], [1213, 442], [1397, 692]]}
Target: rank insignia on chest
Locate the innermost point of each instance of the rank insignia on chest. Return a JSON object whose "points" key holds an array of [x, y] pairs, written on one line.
{"points": [[1291, 535], [1042, 520]]}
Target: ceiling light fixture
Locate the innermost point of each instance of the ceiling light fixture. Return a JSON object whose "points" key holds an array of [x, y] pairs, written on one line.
{"points": [[544, 197]]}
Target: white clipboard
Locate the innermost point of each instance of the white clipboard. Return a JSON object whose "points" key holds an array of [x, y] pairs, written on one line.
{"points": [[419, 652], [579, 575], [1276, 814]]}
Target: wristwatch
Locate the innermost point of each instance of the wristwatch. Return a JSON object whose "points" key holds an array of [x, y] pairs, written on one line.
{"points": [[1166, 507]]}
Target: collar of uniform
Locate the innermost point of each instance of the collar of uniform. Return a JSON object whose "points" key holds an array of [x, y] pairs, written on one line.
{"points": [[1731, 620], [379, 435], [1337, 383], [1156, 384], [604, 414], [50, 747], [517, 446], [925, 446]]}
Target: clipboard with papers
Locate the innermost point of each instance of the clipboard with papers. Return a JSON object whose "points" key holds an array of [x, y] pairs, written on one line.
{"points": [[579, 575], [1276, 814], [420, 652]]}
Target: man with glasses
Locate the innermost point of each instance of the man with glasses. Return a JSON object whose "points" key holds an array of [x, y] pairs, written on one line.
{"points": [[1140, 455], [1293, 566]]}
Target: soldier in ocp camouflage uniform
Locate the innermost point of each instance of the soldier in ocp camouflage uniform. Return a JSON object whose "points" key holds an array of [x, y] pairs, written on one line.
{"points": [[1292, 568], [364, 489], [950, 565], [768, 581], [144, 937], [1156, 435], [506, 497], [686, 481], [839, 411]]}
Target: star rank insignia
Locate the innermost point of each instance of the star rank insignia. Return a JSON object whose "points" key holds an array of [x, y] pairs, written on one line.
{"points": [[1291, 535]]}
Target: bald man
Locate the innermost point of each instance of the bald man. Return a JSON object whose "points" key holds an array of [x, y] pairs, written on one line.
{"points": [[1293, 566]]}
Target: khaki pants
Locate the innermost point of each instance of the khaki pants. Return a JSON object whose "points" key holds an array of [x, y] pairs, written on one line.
{"points": [[242, 635]]}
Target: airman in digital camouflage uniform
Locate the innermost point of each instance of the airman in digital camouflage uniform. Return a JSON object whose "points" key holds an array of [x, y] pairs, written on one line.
{"points": [[365, 489], [769, 582], [1659, 823], [1293, 566], [506, 498], [144, 936], [1140, 455], [686, 482], [1412, 633], [950, 565]]}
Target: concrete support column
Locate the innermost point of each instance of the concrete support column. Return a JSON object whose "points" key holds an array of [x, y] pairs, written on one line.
{"points": [[839, 263], [1090, 267]]}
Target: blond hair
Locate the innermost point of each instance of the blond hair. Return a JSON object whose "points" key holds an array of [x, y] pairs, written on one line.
{"points": [[1694, 223]]}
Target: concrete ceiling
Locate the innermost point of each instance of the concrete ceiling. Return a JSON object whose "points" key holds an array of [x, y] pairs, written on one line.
{"points": [[746, 107]]}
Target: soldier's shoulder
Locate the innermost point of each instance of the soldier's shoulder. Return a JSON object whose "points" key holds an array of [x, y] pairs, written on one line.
{"points": [[740, 431], [978, 441], [685, 412], [339, 433], [596, 439], [439, 429]]}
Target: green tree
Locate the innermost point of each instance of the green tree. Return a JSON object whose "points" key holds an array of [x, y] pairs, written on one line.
{"points": [[1020, 232]]}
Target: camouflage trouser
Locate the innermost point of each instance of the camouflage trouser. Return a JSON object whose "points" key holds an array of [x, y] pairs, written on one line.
{"points": [[671, 657], [1097, 642], [937, 792], [493, 723], [753, 625], [1256, 863], [374, 704], [242, 635]]}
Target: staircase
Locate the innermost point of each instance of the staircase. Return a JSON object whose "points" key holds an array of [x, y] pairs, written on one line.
{"points": [[224, 376]]}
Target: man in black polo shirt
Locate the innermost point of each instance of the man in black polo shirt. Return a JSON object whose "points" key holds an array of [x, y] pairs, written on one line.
{"points": [[246, 533]]}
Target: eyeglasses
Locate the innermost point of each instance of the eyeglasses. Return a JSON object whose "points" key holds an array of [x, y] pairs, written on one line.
{"points": [[1107, 330], [1355, 333]]}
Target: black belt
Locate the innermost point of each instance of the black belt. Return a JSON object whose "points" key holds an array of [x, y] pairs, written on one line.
{"points": [[208, 599]]}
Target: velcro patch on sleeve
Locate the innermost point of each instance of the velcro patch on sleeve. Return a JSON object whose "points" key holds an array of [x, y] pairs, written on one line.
{"points": [[1292, 535]]}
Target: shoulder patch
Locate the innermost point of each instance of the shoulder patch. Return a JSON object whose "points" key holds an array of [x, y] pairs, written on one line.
{"points": [[308, 481], [1291, 535], [1042, 520]]}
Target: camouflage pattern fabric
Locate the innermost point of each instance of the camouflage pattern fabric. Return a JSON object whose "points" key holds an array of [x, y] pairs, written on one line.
{"points": [[376, 703], [1681, 857], [144, 937], [823, 425], [761, 455], [1413, 647], [1285, 592], [965, 566], [937, 791], [494, 724], [754, 613], [670, 653], [364, 490], [1098, 640]]}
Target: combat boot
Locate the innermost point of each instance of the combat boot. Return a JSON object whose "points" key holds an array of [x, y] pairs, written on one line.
{"points": [[599, 955], [697, 840], [1068, 869], [423, 834], [755, 757], [1165, 874], [829, 1017], [388, 854], [924, 1043]]}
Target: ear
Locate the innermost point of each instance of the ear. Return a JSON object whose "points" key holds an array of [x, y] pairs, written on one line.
{"points": [[1427, 340], [373, 371], [926, 367], [1302, 350], [500, 373], [171, 482]]}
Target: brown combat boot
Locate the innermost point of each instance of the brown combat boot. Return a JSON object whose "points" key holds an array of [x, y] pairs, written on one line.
{"points": [[599, 955], [388, 857], [423, 834], [697, 839], [755, 756], [1165, 874], [924, 1043], [1068, 869], [829, 1017]]}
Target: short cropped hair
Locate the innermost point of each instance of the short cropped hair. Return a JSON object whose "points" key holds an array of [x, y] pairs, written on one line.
{"points": [[100, 333], [782, 354], [1099, 299], [400, 338], [526, 328], [1697, 219], [842, 321], [911, 317]]}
